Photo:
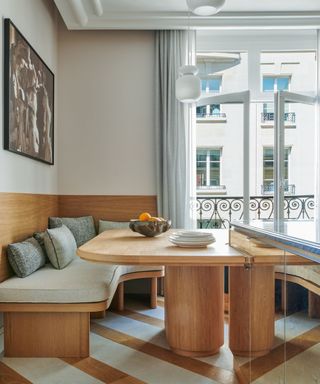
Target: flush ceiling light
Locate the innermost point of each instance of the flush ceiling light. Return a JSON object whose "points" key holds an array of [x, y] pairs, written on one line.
{"points": [[205, 7]]}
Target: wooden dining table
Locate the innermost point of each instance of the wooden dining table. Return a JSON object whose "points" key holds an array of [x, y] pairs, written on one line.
{"points": [[194, 289]]}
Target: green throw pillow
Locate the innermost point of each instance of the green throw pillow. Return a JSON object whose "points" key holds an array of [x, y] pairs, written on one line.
{"points": [[82, 228], [104, 225], [60, 246], [26, 257]]}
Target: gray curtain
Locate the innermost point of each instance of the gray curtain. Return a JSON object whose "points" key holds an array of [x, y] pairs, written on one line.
{"points": [[172, 129]]}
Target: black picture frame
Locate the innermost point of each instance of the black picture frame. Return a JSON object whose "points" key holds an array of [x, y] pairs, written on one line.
{"points": [[28, 99]]}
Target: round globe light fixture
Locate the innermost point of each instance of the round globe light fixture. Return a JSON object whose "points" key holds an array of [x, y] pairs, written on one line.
{"points": [[188, 85], [205, 7]]}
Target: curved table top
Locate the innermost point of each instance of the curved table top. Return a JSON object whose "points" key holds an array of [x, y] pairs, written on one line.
{"points": [[124, 247]]}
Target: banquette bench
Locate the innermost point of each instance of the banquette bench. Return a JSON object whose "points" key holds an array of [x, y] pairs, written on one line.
{"points": [[47, 314]]}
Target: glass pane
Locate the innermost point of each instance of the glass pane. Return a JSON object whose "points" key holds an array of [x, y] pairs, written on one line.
{"points": [[214, 85], [201, 111], [268, 83], [215, 175], [302, 320], [214, 109], [283, 83], [294, 70], [214, 155], [201, 155], [203, 85], [201, 176], [299, 161]]}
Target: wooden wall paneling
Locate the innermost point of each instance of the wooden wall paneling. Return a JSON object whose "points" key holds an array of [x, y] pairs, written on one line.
{"points": [[21, 214], [114, 208]]}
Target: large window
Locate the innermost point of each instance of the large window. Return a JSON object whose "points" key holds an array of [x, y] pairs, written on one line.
{"points": [[275, 83], [268, 178], [208, 167]]}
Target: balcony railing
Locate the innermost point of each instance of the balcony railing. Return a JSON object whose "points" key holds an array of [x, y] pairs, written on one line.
{"points": [[211, 115], [218, 212], [289, 117]]}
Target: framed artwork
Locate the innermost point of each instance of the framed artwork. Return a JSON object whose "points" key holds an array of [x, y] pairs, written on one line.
{"points": [[28, 99]]}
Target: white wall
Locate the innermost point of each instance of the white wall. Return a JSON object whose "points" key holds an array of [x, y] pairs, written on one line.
{"points": [[106, 112], [36, 19]]}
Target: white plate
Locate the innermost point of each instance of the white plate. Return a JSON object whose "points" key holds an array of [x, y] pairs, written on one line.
{"points": [[192, 234], [192, 240], [189, 244]]}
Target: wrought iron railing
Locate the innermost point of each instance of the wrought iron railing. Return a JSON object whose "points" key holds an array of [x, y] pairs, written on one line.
{"points": [[269, 116], [218, 212]]}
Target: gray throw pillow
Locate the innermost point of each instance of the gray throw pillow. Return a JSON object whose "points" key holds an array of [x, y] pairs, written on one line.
{"points": [[82, 228], [104, 225], [60, 246], [26, 257], [39, 236]]}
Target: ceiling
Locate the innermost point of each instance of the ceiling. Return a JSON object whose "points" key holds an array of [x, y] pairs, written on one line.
{"points": [[169, 14]]}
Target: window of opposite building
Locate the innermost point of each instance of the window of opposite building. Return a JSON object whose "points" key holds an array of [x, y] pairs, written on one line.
{"points": [[211, 84], [209, 110], [275, 83], [208, 167], [268, 163]]}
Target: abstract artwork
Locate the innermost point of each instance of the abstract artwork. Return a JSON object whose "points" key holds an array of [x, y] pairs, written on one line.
{"points": [[28, 99]]}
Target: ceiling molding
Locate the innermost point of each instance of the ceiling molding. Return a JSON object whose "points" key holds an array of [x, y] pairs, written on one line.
{"points": [[78, 14]]}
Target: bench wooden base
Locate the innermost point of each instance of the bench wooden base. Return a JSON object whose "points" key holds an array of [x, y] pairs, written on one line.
{"points": [[313, 293], [51, 334], [59, 330]]}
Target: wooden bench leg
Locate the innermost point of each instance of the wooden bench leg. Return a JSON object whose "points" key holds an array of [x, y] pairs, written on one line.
{"points": [[47, 334], [98, 315], [154, 292], [118, 298], [313, 305]]}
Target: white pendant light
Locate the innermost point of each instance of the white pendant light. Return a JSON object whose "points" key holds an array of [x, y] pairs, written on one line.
{"points": [[188, 86], [205, 7]]}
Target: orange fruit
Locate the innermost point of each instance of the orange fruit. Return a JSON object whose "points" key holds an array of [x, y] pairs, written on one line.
{"points": [[152, 218], [144, 216]]}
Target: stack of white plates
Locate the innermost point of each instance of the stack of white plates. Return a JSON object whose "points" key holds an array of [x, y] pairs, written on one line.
{"points": [[192, 239]]}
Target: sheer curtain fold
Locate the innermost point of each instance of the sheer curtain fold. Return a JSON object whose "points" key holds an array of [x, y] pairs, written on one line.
{"points": [[174, 133]]}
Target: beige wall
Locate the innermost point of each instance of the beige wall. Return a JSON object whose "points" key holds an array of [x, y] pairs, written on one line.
{"points": [[36, 19], [106, 97]]}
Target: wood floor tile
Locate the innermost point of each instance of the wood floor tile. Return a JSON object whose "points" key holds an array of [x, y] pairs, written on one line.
{"points": [[9, 376], [277, 356], [221, 375], [102, 371], [141, 317]]}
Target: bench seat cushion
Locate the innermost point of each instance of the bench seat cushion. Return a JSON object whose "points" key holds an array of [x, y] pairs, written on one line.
{"points": [[310, 272], [79, 282]]}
